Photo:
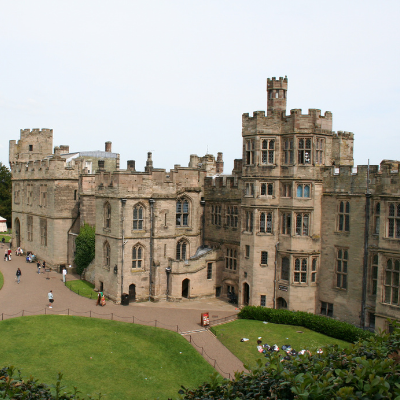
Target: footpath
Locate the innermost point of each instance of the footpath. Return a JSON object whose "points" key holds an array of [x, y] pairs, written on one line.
{"points": [[29, 297]]}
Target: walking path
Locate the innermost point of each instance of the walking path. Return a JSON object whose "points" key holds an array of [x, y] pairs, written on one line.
{"points": [[30, 298]]}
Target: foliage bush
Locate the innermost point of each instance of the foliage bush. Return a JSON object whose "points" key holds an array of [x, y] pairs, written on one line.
{"points": [[5, 193], [85, 247], [13, 386], [370, 369], [318, 323]]}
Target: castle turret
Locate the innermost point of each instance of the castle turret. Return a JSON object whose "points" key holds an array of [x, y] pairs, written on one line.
{"points": [[277, 94]]}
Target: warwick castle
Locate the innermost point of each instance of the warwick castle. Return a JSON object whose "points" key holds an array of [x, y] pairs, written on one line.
{"points": [[295, 225]]}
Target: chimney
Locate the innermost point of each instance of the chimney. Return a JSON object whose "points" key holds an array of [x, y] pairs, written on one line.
{"points": [[149, 162], [131, 165], [219, 164], [108, 147]]}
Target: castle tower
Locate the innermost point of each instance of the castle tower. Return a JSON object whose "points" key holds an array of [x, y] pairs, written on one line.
{"points": [[277, 94]]}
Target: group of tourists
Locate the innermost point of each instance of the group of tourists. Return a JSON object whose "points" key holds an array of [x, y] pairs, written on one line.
{"points": [[7, 255]]}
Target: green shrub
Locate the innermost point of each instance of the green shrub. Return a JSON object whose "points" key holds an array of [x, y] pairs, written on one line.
{"points": [[13, 386], [318, 323], [85, 247], [370, 369]]}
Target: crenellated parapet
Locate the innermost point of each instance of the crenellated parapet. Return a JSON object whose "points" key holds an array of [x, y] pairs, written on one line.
{"points": [[55, 167], [378, 180], [33, 144], [296, 122]]}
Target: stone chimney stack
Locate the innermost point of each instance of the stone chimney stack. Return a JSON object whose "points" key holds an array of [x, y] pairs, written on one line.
{"points": [[131, 165], [149, 162], [108, 147], [219, 164]]}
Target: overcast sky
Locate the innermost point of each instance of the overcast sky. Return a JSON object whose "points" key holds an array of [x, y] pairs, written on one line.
{"points": [[174, 77]]}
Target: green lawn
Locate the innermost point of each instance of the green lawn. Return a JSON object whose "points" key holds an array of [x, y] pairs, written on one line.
{"points": [[7, 237], [1, 280], [231, 333], [122, 360], [83, 288]]}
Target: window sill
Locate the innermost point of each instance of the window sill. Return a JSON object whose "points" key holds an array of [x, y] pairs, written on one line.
{"points": [[264, 234], [263, 265], [106, 230]]}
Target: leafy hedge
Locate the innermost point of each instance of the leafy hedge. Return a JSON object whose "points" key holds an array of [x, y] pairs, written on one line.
{"points": [[370, 369], [13, 386], [318, 323]]}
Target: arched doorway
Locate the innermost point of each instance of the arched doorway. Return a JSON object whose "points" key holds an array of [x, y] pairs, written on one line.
{"points": [[281, 302], [185, 288], [132, 292], [17, 226], [246, 294]]}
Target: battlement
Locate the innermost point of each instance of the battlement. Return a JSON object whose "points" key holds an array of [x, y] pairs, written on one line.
{"points": [[55, 167], [281, 83], [35, 131], [344, 135]]}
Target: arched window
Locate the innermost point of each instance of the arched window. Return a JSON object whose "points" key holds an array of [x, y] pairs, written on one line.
{"points": [[107, 215], [137, 256], [285, 269], [281, 302], [138, 214], [182, 250], [182, 212], [107, 255]]}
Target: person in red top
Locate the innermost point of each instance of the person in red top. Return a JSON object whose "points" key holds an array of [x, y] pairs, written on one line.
{"points": [[9, 254]]}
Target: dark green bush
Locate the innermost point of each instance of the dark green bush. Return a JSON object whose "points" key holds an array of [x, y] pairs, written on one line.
{"points": [[370, 369], [318, 323], [13, 386]]}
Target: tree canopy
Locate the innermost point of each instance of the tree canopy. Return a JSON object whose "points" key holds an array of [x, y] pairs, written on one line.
{"points": [[5, 193], [85, 247]]}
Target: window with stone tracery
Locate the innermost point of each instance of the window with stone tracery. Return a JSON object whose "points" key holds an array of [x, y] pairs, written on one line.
{"points": [[394, 220], [249, 152], [182, 212], [304, 151], [266, 222], [288, 151], [138, 217], [319, 151], [392, 282], [137, 256], [268, 151]]}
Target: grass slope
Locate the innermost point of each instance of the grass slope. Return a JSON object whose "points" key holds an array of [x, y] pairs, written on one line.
{"points": [[82, 287], [122, 360], [1, 280], [231, 333]]}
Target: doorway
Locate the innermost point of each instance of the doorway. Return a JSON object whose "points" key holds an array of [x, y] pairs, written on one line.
{"points": [[246, 294], [185, 288], [132, 292]]}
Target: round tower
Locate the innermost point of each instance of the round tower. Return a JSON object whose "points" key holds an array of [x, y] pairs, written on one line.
{"points": [[277, 94]]}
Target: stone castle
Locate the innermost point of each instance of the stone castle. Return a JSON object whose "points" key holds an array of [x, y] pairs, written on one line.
{"points": [[294, 226]]}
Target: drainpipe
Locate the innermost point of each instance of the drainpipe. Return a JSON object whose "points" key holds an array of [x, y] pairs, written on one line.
{"points": [[365, 260], [168, 271], [203, 221], [151, 201], [276, 266], [123, 202]]}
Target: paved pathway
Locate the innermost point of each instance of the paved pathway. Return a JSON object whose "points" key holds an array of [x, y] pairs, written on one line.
{"points": [[30, 298]]}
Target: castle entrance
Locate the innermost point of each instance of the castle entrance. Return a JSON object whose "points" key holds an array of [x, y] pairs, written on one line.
{"points": [[17, 227], [132, 292], [185, 288]]}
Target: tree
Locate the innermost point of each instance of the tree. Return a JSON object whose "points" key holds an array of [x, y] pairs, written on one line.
{"points": [[85, 247], [5, 193]]}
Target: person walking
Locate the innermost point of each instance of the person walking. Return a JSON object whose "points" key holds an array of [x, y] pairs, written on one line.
{"points": [[9, 254], [18, 275], [6, 256], [64, 272], [38, 267], [51, 298]]}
